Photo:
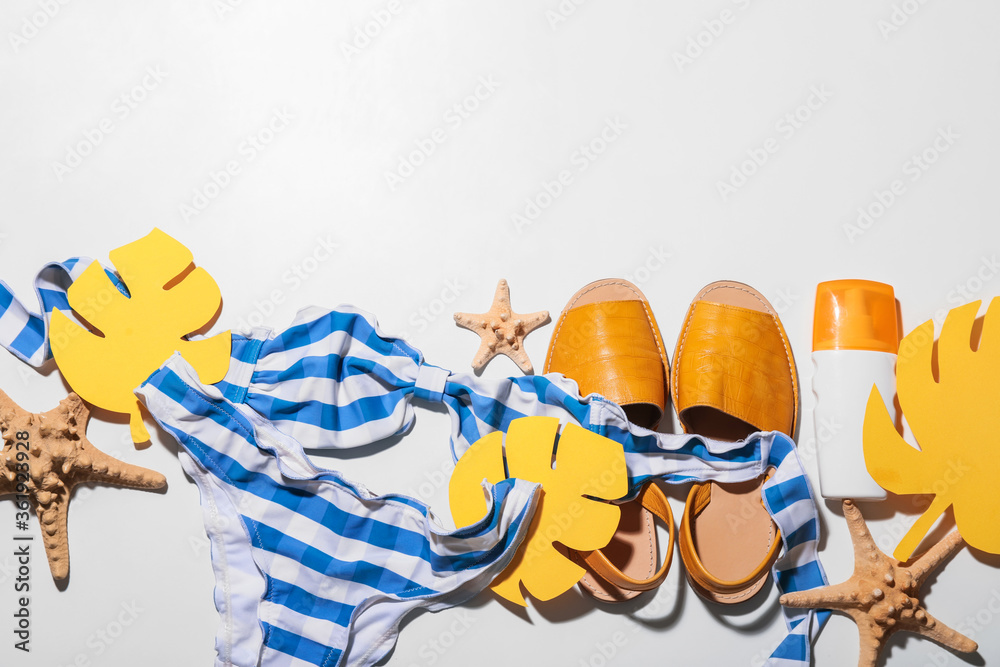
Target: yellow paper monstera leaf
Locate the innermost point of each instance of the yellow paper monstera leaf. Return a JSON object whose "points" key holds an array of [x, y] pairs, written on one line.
{"points": [[132, 335], [586, 466], [955, 419]]}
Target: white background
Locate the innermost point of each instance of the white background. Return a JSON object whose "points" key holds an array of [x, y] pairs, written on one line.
{"points": [[446, 231]]}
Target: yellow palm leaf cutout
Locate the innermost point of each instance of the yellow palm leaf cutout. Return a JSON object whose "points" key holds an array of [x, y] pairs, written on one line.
{"points": [[956, 422], [136, 333], [586, 466]]}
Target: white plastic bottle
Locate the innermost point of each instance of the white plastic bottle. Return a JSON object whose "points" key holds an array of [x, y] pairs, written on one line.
{"points": [[855, 340]]}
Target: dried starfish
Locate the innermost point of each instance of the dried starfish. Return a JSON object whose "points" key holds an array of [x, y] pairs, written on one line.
{"points": [[55, 456], [502, 330], [883, 596]]}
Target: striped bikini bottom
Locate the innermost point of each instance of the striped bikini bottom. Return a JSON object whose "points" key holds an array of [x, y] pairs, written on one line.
{"points": [[313, 569]]}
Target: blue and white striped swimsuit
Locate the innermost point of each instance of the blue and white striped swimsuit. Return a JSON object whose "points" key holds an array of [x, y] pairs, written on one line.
{"points": [[318, 571]]}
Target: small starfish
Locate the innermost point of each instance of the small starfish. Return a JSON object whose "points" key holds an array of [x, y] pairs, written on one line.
{"points": [[58, 457], [883, 596], [502, 330]]}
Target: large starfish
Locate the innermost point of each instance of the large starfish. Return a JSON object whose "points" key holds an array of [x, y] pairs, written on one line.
{"points": [[883, 595], [502, 330], [47, 454]]}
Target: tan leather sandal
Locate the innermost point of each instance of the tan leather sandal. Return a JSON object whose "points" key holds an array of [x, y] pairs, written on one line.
{"points": [[607, 340], [733, 374], [627, 566]]}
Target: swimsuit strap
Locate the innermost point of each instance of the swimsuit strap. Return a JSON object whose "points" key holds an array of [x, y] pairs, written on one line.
{"points": [[25, 333]]}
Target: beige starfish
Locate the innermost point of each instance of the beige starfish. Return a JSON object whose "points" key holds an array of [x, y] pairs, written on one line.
{"points": [[47, 454], [502, 330], [883, 595]]}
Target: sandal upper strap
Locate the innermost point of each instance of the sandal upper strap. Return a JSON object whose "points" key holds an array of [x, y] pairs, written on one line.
{"points": [[734, 359]]}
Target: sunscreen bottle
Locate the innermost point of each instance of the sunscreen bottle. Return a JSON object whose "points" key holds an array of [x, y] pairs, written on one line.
{"points": [[855, 340]]}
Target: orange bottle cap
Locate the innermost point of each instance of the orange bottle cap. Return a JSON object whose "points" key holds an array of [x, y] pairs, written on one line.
{"points": [[855, 315]]}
